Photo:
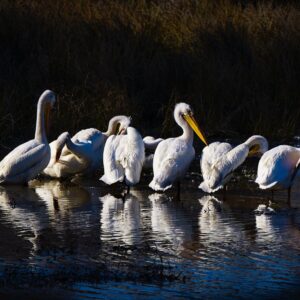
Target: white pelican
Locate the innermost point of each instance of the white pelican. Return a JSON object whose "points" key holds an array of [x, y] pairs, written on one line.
{"points": [[278, 168], [123, 158], [29, 159], [173, 156], [84, 152], [150, 144], [219, 160]]}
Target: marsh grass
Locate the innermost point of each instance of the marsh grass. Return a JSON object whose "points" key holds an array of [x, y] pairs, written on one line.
{"points": [[235, 62]]}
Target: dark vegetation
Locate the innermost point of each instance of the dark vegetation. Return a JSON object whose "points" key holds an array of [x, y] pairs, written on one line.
{"points": [[236, 62]]}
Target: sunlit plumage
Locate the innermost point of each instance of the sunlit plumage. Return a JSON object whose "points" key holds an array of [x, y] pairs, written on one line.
{"points": [[84, 152], [219, 160], [27, 160], [123, 158], [278, 167], [173, 156]]}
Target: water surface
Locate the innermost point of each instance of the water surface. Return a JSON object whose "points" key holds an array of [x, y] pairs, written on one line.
{"points": [[84, 240]]}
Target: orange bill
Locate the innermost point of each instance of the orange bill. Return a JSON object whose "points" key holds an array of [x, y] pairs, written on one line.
{"points": [[193, 124]]}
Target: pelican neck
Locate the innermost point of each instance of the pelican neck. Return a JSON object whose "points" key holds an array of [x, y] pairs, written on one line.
{"points": [[40, 130]]}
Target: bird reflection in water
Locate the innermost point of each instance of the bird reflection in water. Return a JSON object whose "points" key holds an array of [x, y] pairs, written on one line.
{"points": [[20, 209], [171, 225], [120, 219]]}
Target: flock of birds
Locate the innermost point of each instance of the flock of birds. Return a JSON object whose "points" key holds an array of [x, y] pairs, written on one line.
{"points": [[121, 152]]}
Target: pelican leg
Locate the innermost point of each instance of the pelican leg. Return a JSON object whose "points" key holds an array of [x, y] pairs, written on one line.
{"points": [[289, 196]]}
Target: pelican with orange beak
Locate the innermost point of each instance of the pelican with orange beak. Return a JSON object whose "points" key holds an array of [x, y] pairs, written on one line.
{"points": [[29, 159], [173, 156]]}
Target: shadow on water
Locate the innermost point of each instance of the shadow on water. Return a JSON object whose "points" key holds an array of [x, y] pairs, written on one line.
{"points": [[87, 240]]}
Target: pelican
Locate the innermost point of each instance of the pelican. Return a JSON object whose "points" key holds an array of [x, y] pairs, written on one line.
{"points": [[150, 145], [278, 168], [219, 160], [27, 160], [123, 158], [173, 156], [84, 152]]}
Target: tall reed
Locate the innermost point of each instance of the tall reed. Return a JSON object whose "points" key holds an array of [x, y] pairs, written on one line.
{"points": [[235, 62]]}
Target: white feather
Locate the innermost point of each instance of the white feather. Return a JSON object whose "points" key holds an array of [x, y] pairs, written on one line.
{"points": [[27, 160], [219, 160], [123, 158], [277, 166], [173, 156], [83, 154]]}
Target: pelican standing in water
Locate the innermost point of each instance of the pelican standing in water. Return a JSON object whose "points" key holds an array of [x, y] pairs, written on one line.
{"points": [[173, 156], [123, 158], [84, 152], [278, 168], [27, 160], [219, 160]]}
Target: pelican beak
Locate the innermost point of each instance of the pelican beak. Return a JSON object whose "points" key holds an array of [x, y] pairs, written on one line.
{"points": [[120, 130], [193, 124], [47, 117], [254, 151]]}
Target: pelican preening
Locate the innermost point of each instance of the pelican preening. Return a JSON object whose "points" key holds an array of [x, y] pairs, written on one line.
{"points": [[173, 156], [121, 151], [83, 153], [278, 168], [29, 159], [219, 160], [123, 158]]}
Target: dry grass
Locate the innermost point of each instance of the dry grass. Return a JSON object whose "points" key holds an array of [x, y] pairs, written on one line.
{"points": [[236, 63]]}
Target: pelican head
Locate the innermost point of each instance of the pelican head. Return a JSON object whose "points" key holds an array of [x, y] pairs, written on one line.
{"points": [[184, 113], [46, 103], [118, 125], [257, 144], [123, 124]]}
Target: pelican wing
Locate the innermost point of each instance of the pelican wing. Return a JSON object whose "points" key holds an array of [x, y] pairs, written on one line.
{"points": [[133, 157], [277, 166], [171, 161], [82, 149], [151, 143], [216, 172], [94, 136], [113, 171], [210, 155], [22, 158]]}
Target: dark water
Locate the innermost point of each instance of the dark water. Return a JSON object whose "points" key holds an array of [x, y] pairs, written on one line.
{"points": [[86, 241]]}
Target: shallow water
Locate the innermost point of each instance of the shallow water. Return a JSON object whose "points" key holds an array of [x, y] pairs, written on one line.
{"points": [[84, 240]]}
